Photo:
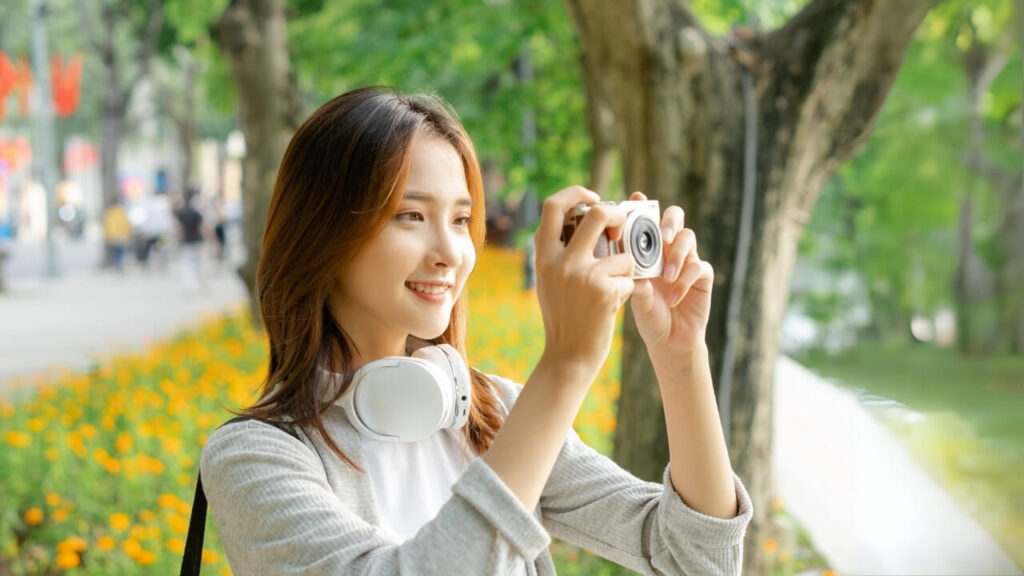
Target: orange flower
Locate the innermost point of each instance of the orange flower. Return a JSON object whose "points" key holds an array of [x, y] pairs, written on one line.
{"points": [[105, 543], [120, 521], [177, 523], [210, 557], [124, 442], [176, 545], [770, 546], [52, 500], [145, 558], [72, 544], [17, 439], [66, 560], [131, 547], [33, 516]]}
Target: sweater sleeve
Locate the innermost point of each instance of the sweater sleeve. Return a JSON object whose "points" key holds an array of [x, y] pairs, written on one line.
{"points": [[591, 502], [276, 514]]}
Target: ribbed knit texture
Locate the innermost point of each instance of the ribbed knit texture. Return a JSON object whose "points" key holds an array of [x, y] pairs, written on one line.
{"points": [[285, 506]]}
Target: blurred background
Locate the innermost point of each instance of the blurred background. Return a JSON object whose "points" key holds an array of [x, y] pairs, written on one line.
{"points": [[852, 168]]}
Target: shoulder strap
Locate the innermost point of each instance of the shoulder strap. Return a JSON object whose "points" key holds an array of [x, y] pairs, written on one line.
{"points": [[191, 562]]}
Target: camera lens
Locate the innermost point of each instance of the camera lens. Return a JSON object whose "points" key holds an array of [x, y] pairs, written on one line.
{"points": [[645, 242]]}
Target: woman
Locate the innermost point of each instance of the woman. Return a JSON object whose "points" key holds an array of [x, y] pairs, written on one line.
{"points": [[373, 230]]}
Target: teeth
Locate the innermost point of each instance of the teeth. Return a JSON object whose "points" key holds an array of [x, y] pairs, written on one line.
{"points": [[427, 289]]}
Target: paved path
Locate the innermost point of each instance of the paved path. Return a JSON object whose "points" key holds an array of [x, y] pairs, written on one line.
{"points": [[72, 319], [868, 506]]}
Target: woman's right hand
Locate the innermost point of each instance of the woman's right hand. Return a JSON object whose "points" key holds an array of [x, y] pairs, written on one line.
{"points": [[580, 294]]}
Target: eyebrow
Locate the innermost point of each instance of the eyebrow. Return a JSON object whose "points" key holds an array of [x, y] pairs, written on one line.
{"points": [[429, 198]]}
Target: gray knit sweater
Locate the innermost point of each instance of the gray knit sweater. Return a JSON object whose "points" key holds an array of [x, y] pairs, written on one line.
{"points": [[288, 506]]}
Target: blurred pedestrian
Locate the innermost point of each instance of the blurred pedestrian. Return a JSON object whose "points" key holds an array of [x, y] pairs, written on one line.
{"points": [[190, 221], [117, 233], [154, 229], [219, 228]]}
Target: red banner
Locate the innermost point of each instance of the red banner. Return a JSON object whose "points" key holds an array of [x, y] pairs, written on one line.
{"points": [[65, 80]]}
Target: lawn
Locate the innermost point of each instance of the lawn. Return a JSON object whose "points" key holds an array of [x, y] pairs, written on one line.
{"points": [[971, 439]]}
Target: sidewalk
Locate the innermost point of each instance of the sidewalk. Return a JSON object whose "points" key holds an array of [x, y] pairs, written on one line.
{"points": [[868, 506], [70, 320]]}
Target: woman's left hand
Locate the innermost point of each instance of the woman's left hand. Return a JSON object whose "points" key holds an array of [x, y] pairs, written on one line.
{"points": [[672, 311]]}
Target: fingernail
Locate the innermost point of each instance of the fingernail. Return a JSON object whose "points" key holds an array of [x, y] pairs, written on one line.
{"points": [[667, 235], [670, 272]]}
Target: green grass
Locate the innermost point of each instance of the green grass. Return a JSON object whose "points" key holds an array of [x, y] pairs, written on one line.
{"points": [[972, 437]]}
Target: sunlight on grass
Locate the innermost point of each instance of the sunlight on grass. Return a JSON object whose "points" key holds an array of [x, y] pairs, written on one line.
{"points": [[971, 439]]}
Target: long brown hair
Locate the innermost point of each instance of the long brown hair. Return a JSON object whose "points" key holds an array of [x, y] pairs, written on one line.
{"points": [[339, 184]]}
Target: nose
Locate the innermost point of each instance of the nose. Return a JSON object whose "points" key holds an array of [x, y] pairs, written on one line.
{"points": [[444, 249]]}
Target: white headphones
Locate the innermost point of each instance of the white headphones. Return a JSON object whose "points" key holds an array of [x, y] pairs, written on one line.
{"points": [[405, 399]]}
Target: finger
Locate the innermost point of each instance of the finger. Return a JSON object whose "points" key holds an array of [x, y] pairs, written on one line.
{"points": [[617, 265], [671, 222], [637, 197], [623, 288], [690, 274], [552, 215], [594, 223], [680, 252]]}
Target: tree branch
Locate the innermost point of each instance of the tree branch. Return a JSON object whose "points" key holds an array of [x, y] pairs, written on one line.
{"points": [[848, 53], [826, 74], [147, 45], [89, 28]]}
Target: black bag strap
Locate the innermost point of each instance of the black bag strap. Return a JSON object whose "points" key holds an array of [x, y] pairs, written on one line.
{"points": [[193, 557]]}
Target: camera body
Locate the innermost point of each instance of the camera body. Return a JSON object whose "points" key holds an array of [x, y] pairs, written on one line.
{"points": [[641, 235]]}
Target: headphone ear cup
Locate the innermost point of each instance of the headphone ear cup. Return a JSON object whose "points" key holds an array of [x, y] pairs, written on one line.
{"points": [[451, 362]]}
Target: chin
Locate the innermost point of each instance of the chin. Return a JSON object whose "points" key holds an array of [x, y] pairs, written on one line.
{"points": [[429, 334]]}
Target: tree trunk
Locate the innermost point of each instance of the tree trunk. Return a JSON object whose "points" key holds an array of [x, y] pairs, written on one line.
{"points": [[676, 93], [111, 133], [252, 35]]}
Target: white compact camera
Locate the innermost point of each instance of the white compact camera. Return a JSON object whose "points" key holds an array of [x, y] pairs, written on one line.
{"points": [[641, 235]]}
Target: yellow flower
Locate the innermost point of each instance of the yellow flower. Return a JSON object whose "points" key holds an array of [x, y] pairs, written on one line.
{"points": [[112, 465], [17, 439], [105, 543], [51, 454], [171, 445], [60, 515], [829, 573], [120, 521], [52, 500], [210, 557], [72, 544], [147, 516], [36, 424], [167, 501], [770, 546], [131, 547], [66, 560], [33, 516], [176, 545], [145, 558], [124, 442], [177, 523]]}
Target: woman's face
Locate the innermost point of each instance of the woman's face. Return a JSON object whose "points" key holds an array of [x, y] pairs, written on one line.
{"points": [[406, 280]]}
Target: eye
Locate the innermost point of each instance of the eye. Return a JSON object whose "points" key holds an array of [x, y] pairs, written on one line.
{"points": [[401, 216], [465, 220]]}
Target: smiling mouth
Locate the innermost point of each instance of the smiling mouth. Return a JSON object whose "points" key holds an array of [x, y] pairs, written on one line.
{"points": [[427, 288]]}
